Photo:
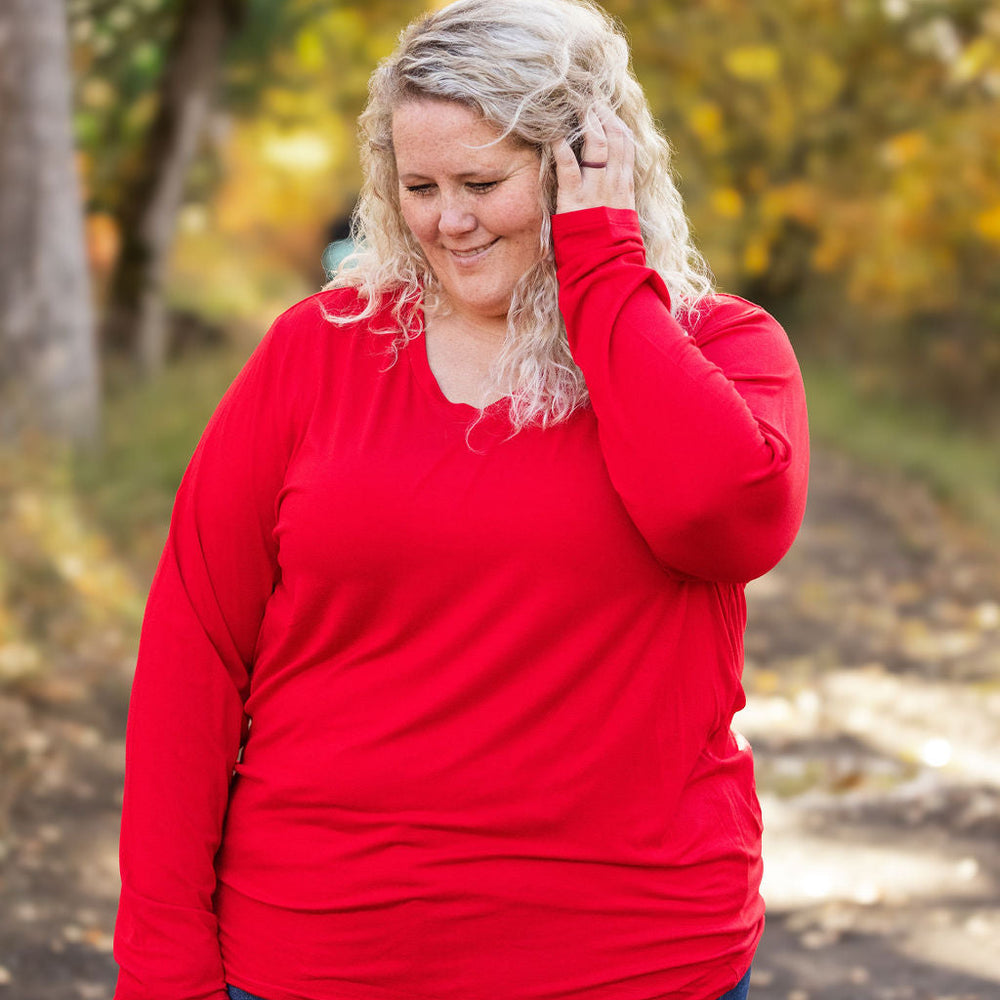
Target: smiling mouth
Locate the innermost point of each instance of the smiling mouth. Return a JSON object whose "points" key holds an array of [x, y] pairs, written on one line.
{"points": [[475, 252]]}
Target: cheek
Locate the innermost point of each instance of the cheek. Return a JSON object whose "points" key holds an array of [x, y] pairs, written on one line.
{"points": [[418, 219], [527, 225], [523, 214]]}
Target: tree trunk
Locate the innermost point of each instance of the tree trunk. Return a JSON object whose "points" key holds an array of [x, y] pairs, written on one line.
{"points": [[48, 362], [135, 326]]}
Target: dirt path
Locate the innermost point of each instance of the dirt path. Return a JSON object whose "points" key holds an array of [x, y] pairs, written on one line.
{"points": [[873, 674], [873, 669]]}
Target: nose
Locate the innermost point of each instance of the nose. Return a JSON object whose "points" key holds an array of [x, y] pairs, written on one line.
{"points": [[456, 219]]}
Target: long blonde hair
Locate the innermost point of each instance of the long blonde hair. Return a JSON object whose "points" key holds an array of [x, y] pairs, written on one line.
{"points": [[534, 69]]}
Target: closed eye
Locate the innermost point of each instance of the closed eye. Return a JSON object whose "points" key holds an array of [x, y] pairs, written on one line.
{"points": [[476, 187]]}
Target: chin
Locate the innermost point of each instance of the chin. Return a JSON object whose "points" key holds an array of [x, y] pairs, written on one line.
{"points": [[489, 309]]}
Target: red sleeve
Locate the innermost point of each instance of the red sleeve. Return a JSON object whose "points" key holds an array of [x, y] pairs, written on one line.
{"points": [[186, 711], [704, 436]]}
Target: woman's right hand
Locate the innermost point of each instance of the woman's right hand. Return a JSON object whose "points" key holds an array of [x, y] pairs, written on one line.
{"points": [[605, 175]]}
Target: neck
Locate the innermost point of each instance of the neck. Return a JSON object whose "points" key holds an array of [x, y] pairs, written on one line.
{"points": [[487, 330], [461, 353]]}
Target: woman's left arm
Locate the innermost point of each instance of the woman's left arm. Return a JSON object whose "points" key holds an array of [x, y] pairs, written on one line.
{"points": [[703, 432]]}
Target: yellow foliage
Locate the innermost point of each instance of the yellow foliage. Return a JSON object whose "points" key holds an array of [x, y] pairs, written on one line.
{"points": [[904, 148], [791, 148], [987, 224], [294, 105], [753, 63], [49, 522], [281, 178], [797, 200], [97, 92], [756, 256], [727, 202], [705, 119], [829, 252], [309, 50], [756, 178], [348, 24], [299, 151], [894, 272], [838, 243], [282, 187], [977, 57], [781, 122], [825, 80], [912, 201]]}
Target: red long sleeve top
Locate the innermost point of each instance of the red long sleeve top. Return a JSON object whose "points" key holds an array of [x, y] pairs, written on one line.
{"points": [[490, 677]]}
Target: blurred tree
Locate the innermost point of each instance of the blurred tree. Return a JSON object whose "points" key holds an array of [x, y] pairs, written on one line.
{"points": [[275, 162], [48, 367], [135, 323], [844, 152], [290, 164], [838, 152]]}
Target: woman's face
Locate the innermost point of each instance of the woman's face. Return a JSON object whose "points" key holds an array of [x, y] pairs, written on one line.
{"points": [[475, 208]]}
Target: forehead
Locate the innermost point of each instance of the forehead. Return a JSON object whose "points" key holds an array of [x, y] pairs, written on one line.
{"points": [[448, 134]]}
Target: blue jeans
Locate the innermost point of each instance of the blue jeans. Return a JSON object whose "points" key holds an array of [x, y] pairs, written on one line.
{"points": [[738, 992]]}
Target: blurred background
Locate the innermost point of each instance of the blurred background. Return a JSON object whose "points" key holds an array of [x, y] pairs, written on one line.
{"points": [[170, 174]]}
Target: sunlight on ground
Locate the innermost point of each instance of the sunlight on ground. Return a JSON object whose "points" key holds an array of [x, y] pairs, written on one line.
{"points": [[969, 947], [942, 725], [803, 868]]}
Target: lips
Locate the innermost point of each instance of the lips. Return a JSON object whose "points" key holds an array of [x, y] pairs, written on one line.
{"points": [[474, 252]]}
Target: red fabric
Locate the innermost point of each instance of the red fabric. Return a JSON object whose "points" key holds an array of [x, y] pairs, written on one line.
{"points": [[491, 678]]}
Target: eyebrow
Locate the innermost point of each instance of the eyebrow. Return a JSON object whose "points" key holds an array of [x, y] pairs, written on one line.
{"points": [[465, 175]]}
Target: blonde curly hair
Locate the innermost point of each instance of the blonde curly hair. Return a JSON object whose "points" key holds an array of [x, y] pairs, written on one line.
{"points": [[534, 69]]}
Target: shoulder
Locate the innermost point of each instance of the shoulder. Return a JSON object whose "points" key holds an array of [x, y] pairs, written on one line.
{"points": [[722, 313], [312, 314], [321, 324], [742, 334]]}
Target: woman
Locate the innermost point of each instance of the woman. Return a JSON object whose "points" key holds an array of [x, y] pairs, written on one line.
{"points": [[438, 669]]}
